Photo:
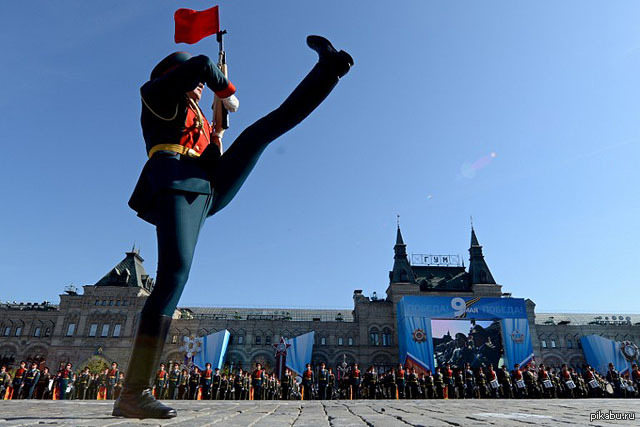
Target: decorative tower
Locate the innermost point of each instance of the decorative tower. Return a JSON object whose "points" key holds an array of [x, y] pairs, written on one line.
{"points": [[478, 270], [402, 272]]}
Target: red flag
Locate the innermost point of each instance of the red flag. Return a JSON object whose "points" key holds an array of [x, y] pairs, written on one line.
{"points": [[192, 25]]}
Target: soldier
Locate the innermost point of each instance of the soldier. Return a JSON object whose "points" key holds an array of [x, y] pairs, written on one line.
{"points": [[224, 387], [112, 380], [119, 385], [470, 382], [413, 385], [505, 382], [438, 384], [18, 380], [82, 384], [447, 378], [429, 391], [544, 382], [354, 377], [287, 382], [567, 382], [174, 191], [42, 388], [614, 379], [257, 377], [400, 381], [323, 382], [206, 381], [103, 384], [215, 384], [307, 383], [238, 385], [183, 387], [94, 385], [173, 382], [635, 376], [194, 383], [246, 386], [518, 381], [494, 384], [459, 384], [481, 383], [332, 384], [30, 381], [65, 378], [160, 382], [5, 381], [530, 381]]}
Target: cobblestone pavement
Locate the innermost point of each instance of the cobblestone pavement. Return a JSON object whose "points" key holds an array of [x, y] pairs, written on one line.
{"points": [[330, 413]]}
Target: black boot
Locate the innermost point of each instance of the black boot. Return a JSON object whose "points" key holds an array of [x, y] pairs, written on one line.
{"points": [[341, 61], [136, 400]]}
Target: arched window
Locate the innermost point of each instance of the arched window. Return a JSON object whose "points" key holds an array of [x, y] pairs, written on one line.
{"points": [[374, 337], [543, 343], [386, 337]]}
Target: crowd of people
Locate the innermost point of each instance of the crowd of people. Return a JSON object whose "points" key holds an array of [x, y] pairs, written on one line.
{"points": [[448, 382]]}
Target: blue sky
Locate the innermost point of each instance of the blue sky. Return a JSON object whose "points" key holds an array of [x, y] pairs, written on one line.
{"points": [[523, 115]]}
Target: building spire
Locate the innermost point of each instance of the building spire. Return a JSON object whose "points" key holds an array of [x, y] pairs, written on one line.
{"points": [[402, 271], [478, 268]]}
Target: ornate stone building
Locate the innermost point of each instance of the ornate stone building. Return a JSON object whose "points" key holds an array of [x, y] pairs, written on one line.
{"points": [[102, 319]]}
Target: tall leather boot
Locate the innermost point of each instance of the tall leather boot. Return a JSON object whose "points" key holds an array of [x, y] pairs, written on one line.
{"points": [[136, 399]]}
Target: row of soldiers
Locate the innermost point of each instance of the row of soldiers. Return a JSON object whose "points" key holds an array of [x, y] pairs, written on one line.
{"points": [[399, 383], [34, 383], [485, 382]]}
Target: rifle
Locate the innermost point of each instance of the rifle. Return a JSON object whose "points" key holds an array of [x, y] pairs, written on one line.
{"points": [[221, 115]]}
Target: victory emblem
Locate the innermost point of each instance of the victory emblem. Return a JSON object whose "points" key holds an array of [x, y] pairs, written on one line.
{"points": [[191, 346], [629, 350], [419, 335], [517, 337]]}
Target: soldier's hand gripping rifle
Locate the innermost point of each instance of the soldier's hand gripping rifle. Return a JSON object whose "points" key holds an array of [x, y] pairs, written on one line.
{"points": [[220, 113]]}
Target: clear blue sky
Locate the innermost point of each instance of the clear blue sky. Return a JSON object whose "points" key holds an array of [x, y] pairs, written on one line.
{"points": [[551, 88]]}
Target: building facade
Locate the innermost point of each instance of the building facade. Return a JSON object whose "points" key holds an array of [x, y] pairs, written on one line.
{"points": [[101, 320]]}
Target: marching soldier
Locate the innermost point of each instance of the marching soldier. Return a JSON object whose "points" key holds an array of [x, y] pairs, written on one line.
{"points": [[207, 380], [160, 383], [459, 384], [246, 386], [18, 380], [323, 381], [447, 377], [103, 384], [112, 380], [173, 382], [635, 376], [494, 384], [567, 382], [544, 382], [82, 384], [530, 381], [307, 383], [481, 382], [215, 385], [30, 381]]}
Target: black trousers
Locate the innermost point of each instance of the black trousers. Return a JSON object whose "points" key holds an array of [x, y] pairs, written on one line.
{"points": [[181, 215]]}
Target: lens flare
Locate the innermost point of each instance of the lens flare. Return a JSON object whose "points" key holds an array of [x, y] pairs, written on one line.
{"points": [[469, 170]]}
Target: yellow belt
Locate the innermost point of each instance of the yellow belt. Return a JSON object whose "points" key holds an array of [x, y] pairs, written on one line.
{"points": [[180, 149]]}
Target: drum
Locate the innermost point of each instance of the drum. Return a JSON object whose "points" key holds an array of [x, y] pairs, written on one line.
{"points": [[609, 389]]}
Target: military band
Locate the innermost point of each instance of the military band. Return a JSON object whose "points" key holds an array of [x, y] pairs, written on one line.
{"points": [[319, 382]]}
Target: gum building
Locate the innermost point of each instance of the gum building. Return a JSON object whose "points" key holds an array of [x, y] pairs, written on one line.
{"points": [[101, 319]]}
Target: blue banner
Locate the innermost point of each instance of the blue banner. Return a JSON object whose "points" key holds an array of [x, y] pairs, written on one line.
{"points": [[299, 352], [479, 331], [600, 351], [213, 349]]}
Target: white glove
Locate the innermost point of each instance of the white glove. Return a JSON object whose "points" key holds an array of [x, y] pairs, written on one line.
{"points": [[231, 103]]}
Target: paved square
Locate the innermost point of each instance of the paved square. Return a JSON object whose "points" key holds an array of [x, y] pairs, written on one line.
{"points": [[329, 413]]}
